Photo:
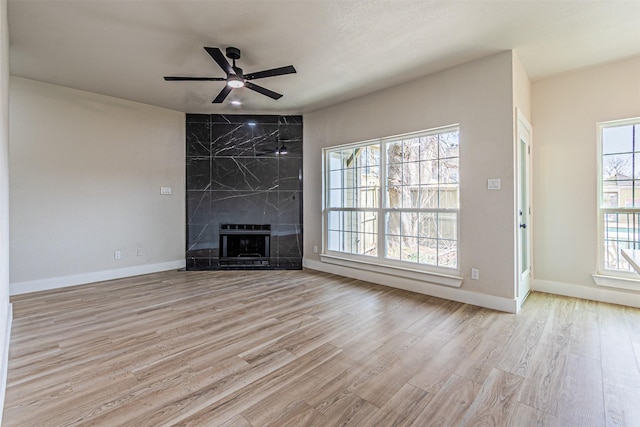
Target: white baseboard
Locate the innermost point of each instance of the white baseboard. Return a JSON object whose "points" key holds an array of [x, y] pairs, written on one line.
{"points": [[4, 363], [26, 287], [446, 292], [613, 296]]}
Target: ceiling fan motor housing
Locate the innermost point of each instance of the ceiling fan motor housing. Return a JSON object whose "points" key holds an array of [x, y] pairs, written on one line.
{"points": [[233, 53]]}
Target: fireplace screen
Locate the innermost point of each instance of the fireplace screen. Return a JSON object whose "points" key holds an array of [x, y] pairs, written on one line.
{"points": [[244, 244]]}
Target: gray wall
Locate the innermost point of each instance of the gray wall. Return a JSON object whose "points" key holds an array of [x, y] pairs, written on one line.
{"points": [[565, 111], [86, 172], [477, 95], [5, 308]]}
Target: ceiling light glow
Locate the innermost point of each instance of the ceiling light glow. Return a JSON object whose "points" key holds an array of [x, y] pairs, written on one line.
{"points": [[235, 81]]}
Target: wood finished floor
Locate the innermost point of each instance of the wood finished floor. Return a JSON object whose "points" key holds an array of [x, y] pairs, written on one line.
{"points": [[303, 348]]}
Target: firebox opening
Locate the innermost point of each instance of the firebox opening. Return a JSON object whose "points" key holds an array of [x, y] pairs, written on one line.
{"points": [[245, 245]]}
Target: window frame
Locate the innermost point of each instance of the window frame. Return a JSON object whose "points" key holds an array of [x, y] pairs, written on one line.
{"points": [[602, 271], [381, 261]]}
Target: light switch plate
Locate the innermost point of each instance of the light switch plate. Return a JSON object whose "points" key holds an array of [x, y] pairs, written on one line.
{"points": [[493, 183], [165, 190]]}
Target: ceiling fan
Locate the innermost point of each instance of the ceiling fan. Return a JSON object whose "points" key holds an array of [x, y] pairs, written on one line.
{"points": [[235, 78]]}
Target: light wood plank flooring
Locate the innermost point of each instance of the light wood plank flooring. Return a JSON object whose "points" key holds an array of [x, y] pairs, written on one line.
{"points": [[304, 348]]}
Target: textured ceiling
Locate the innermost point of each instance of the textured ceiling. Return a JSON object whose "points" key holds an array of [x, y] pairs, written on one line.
{"points": [[341, 49]]}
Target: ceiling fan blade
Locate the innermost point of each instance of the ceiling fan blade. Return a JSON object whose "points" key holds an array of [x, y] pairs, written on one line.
{"points": [[264, 91], [222, 95], [271, 73], [185, 79], [217, 56]]}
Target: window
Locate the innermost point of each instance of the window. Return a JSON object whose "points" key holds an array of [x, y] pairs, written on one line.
{"points": [[396, 200], [619, 209]]}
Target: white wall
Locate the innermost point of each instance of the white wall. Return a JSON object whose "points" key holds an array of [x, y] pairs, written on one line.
{"points": [[521, 89], [5, 307], [478, 96], [86, 172], [565, 111]]}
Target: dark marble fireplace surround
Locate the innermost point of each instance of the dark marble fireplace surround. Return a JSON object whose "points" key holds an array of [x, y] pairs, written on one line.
{"points": [[235, 175]]}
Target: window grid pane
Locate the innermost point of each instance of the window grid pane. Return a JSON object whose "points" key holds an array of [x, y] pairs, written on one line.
{"points": [[422, 173], [422, 237], [621, 231], [421, 199], [354, 232], [620, 194]]}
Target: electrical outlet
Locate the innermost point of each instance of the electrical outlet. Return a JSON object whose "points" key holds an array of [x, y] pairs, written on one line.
{"points": [[140, 252], [475, 274], [117, 255], [315, 249]]}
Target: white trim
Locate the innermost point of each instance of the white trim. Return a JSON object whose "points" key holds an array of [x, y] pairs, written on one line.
{"points": [[418, 286], [5, 357], [18, 288], [616, 282], [600, 126], [522, 121], [594, 293], [521, 298], [424, 276]]}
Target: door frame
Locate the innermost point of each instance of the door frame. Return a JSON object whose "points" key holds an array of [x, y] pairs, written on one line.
{"points": [[522, 289]]}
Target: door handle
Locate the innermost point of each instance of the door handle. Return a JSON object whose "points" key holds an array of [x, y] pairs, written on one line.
{"points": [[523, 225]]}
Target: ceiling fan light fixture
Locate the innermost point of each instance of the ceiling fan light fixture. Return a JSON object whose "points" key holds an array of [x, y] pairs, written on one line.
{"points": [[235, 77], [235, 81]]}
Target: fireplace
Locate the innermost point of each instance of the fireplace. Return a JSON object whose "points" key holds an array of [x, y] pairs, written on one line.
{"points": [[245, 245]]}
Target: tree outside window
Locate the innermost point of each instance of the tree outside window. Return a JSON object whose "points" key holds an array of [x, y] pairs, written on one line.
{"points": [[411, 184]]}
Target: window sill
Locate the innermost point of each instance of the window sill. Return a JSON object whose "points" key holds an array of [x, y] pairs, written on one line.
{"points": [[617, 282], [423, 276]]}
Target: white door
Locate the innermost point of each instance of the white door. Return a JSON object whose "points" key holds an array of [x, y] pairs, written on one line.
{"points": [[523, 136]]}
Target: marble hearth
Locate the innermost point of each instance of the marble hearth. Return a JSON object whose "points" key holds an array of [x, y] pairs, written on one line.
{"points": [[236, 175]]}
